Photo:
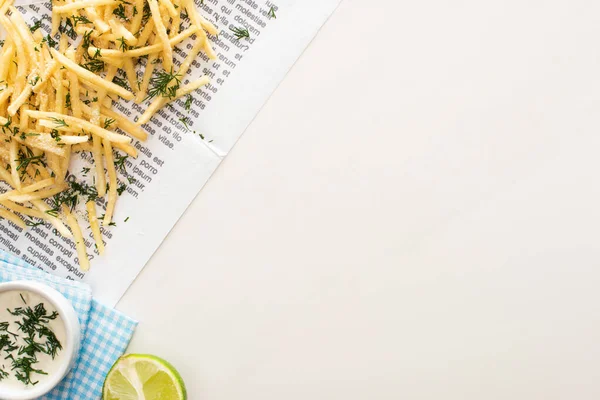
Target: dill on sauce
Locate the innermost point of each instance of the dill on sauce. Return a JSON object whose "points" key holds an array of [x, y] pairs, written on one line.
{"points": [[38, 339]]}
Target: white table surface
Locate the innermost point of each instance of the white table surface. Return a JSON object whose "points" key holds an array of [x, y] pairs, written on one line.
{"points": [[414, 214]]}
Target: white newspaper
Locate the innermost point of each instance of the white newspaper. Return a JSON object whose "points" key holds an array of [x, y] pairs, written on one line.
{"points": [[184, 146]]}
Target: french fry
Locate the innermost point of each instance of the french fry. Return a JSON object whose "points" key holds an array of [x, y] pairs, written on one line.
{"points": [[169, 7], [6, 176], [136, 20], [84, 261], [81, 147], [28, 197], [23, 31], [64, 164], [96, 20], [38, 185], [14, 168], [14, 218], [112, 183], [121, 32], [93, 218], [175, 18], [77, 5], [131, 75], [74, 92], [159, 102], [127, 148], [141, 94], [161, 31], [41, 141], [71, 124], [4, 95], [146, 34], [7, 52]]}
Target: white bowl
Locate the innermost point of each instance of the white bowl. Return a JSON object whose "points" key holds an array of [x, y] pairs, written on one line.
{"points": [[70, 348]]}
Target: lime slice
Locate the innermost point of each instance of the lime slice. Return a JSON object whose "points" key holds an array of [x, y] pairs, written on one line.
{"points": [[141, 376]]}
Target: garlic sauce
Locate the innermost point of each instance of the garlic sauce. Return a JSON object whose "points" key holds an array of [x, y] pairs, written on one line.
{"points": [[32, 337]]}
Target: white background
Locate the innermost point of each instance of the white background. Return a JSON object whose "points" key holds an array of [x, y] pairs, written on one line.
{"points": [[414, 214]]}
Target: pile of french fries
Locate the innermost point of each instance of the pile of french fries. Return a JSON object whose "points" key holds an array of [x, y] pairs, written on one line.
{"points": [[56, 96]]}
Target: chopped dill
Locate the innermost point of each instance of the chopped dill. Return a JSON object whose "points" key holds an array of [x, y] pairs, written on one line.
{"points": [[164, 84], [240, 33], [146, 13], [59, 122], [121, 82], [189, 100], [80, 19], [121, 12], [36, 25], [49, 40], [94, 65], [108, 122]]}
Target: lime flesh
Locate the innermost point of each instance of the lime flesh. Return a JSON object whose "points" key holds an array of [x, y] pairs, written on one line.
{"points": [[143, 377]]}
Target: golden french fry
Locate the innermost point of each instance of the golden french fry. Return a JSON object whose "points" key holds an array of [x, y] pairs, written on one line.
{"points": [[161, 101], [81, 147], [79, 4], [91, 77], [14, 168], [14, 218], [112, 183], [93, 218], [67, 123], [38, 185], [84, 261], [162, 35], [28, 197]]}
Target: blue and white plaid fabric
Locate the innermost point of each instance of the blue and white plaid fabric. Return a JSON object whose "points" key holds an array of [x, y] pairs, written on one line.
{"points": [[106, 332]]}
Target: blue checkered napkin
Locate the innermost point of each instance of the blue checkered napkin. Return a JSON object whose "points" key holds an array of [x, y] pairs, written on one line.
{"points": [[106, 332], [108, 335]]}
